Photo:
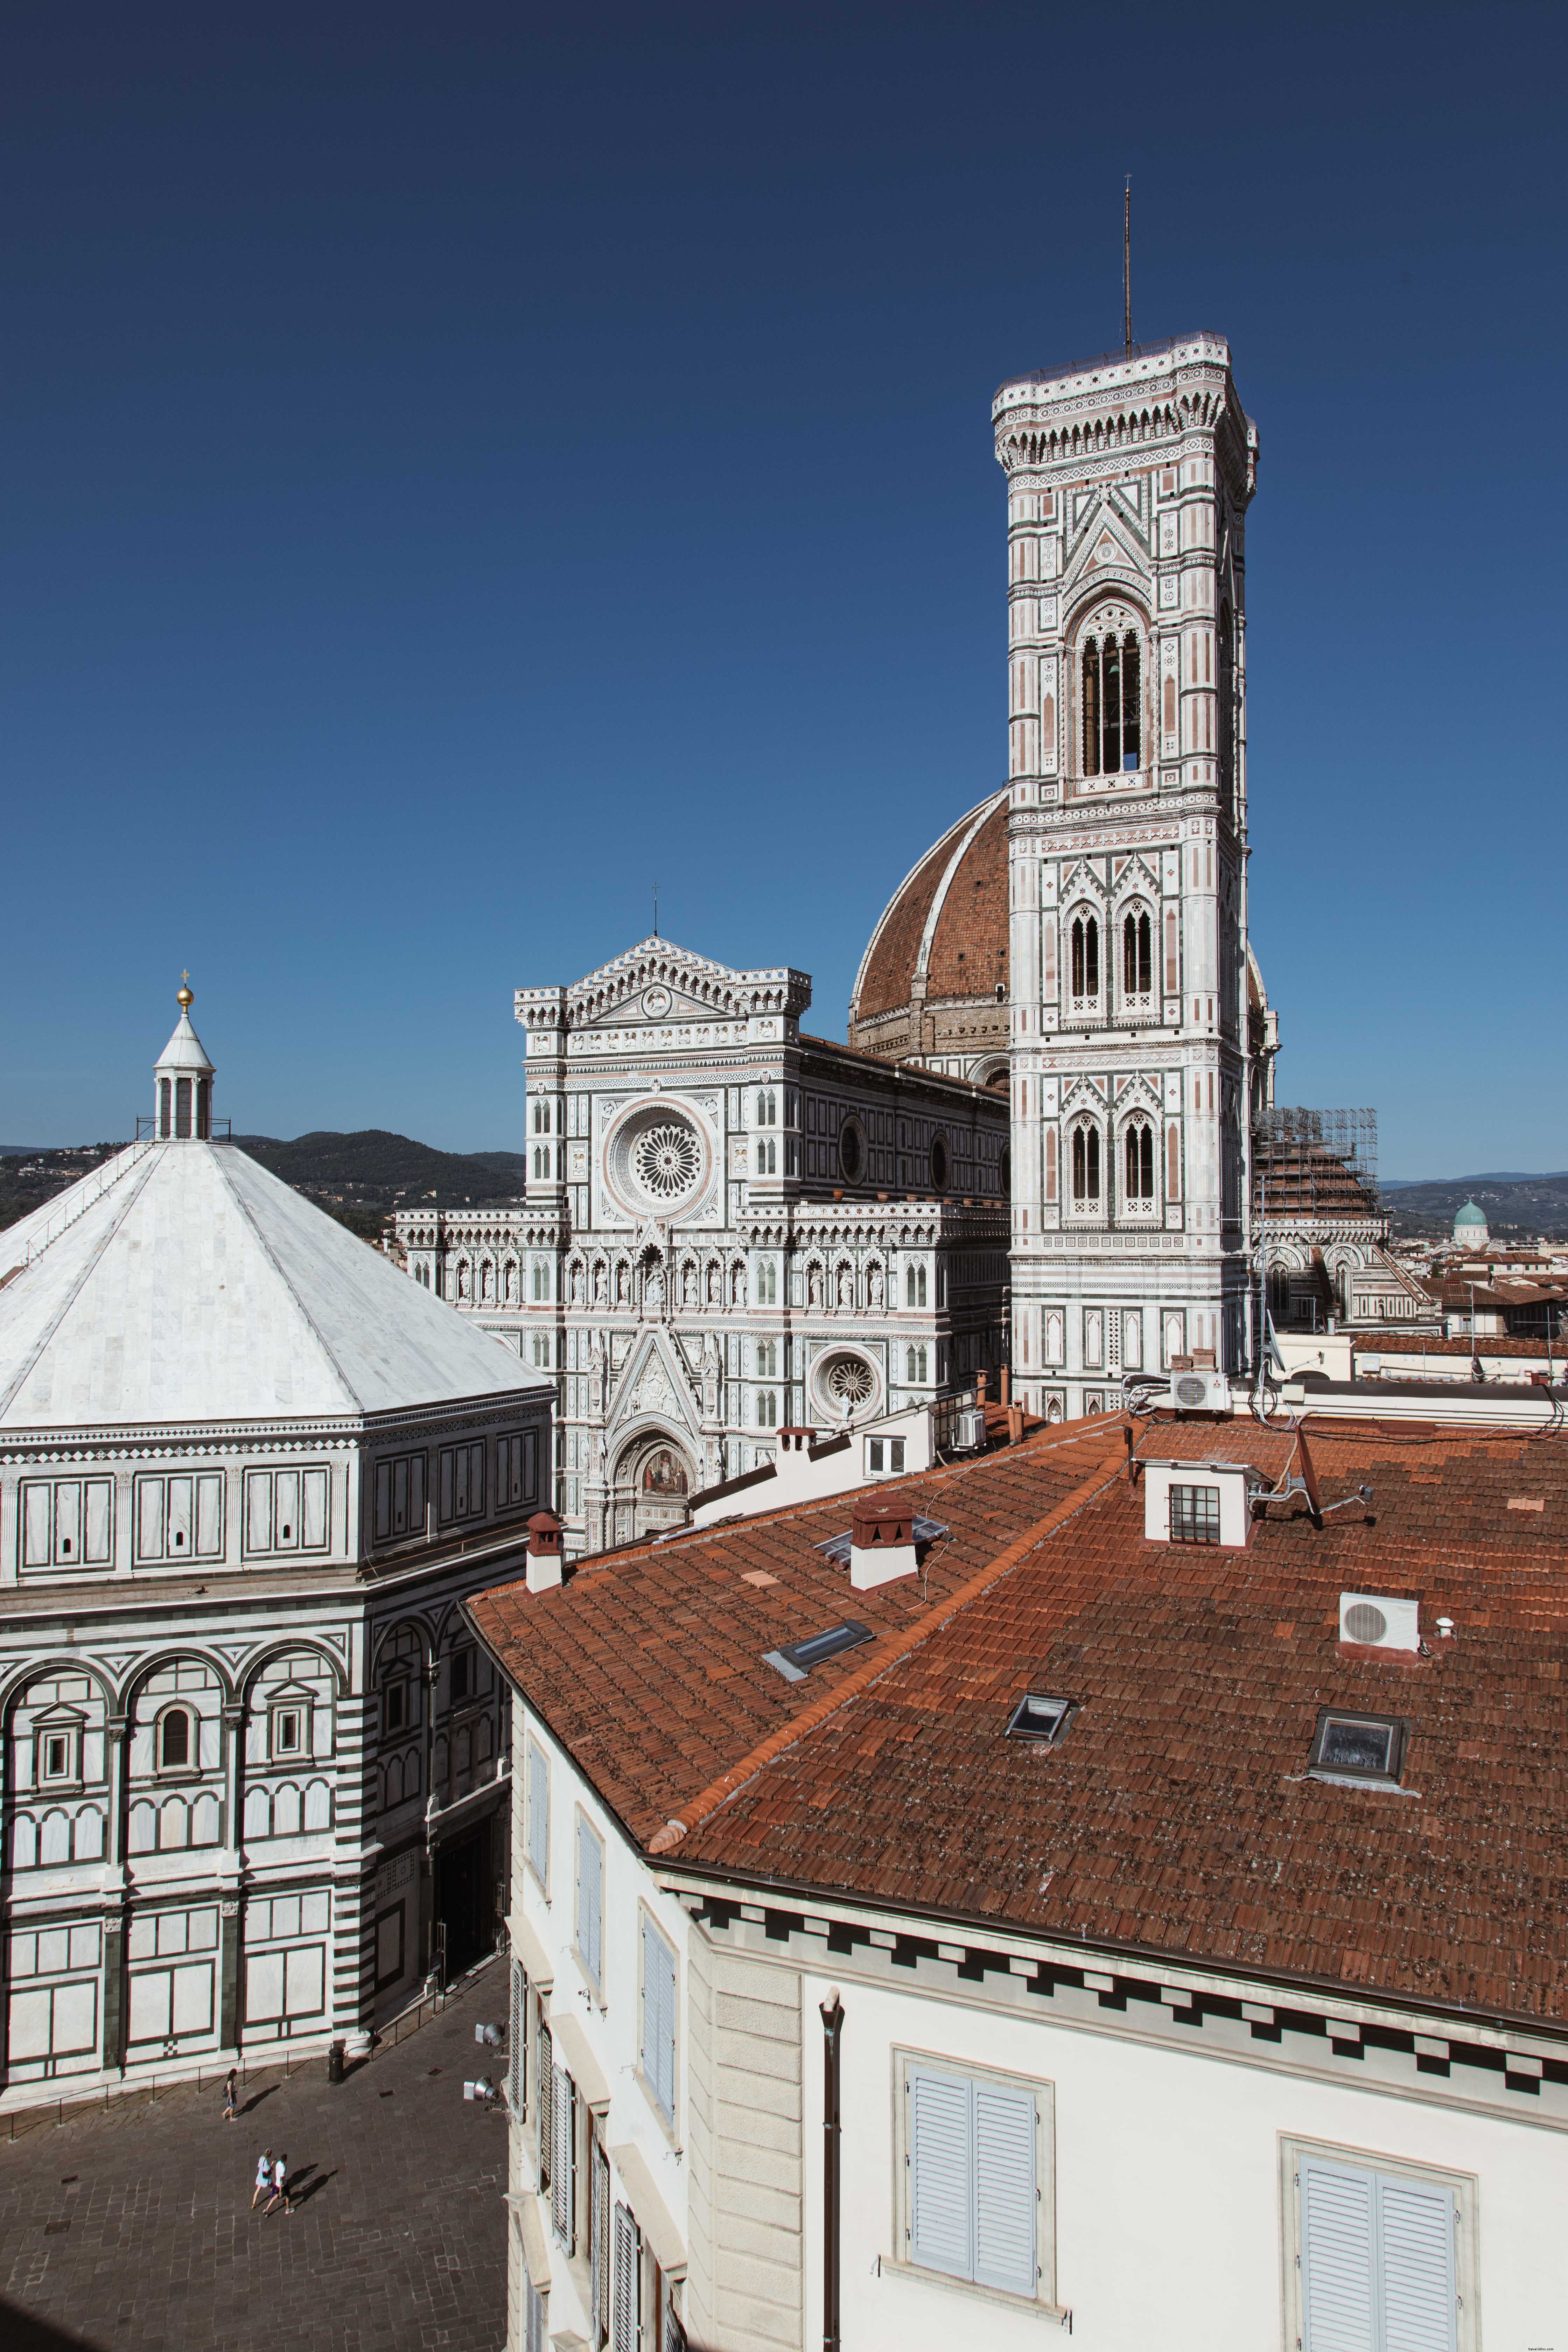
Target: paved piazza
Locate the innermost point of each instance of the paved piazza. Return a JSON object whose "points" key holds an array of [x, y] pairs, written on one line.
{"points": [[132, 2228]]}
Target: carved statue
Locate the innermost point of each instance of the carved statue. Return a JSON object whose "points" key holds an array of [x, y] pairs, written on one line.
{"points": [[876, 1287], [815, 1287], [577, 1284], [688, 1286], [600, 1286]]}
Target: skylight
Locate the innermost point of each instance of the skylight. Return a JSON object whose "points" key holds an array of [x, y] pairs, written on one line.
{"points": [[1038, 1717], [796, 1659], [1356, 1747]]}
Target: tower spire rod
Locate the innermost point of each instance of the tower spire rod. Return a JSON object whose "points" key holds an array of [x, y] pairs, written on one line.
{"points": [[1126, 264]]}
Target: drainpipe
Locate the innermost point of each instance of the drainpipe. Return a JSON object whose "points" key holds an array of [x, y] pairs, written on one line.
{"points": [[832, 2031]]}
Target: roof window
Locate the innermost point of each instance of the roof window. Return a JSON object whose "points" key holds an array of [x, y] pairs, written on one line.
{"points": [[1041, 1719], [796, 1659], [1352, 1749]]}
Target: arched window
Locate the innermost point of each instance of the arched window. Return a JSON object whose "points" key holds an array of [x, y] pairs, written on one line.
{"points": [[1139, 1177], [916, 1361], [1085, 956], [915, 1286], [1085, 1165], [1113, 700], [175, 1741], [1137, 955]]}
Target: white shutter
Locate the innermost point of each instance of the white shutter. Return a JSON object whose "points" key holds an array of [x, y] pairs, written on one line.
{"points": [[599, 2248], [1006, 2215], [562, 2155], [625, 2295], [941, 2173], [1415, 2232], [658, 2017], [539, 1813], [590, 1900], [546, 2077], [1338, 2266], [533, 2317], [516, 2040]]}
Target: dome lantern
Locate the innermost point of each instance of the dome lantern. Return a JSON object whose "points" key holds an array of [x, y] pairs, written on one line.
{"points": [[183, 1080]]}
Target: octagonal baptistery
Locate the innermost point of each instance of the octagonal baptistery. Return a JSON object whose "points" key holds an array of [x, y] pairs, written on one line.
{"points": [[255, 1767], [933, 984]]}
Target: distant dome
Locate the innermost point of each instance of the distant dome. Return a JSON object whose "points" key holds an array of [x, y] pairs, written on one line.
{"points": [[933, 984], [1470, 1224]]}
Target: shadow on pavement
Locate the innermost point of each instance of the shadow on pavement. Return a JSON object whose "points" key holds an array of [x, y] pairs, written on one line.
{"points": [[19, 2332]]}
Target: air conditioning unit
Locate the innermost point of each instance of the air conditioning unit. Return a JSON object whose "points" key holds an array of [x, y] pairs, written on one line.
{"points": [[1375, 1621], [1200, 1392], [970, 1430]]}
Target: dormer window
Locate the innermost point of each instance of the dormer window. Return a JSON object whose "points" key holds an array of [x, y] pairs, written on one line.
{"points": [[1112, 697]]}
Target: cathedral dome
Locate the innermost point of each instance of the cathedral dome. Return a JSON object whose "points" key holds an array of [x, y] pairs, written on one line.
{"points": [[933, 984]]}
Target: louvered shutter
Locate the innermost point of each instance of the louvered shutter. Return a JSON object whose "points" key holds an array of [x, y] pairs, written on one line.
{"points": [[517, 2041], [544, 2057], [625, 2311], [658, 2017], [599, 2246], [941, 2173], [533, 2317], [1006, 2220], [563, 2154], [1338, 2298], [590, 1899], [539, 1813], [1415, 2233]]}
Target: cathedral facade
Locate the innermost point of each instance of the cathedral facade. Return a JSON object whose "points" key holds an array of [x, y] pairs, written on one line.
{"points": [[731, 1227]]}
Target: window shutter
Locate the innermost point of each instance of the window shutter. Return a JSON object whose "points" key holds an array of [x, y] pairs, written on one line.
{"points": [[544, 2062], [1006, 2220], [533, 2317], [658, 2017], [590, 1873], [563, 2152], [516, 2040], [599, 2248], [1337, 2274], [539, 1813], [941, 2173], [625, 2305], [1416, 2232]]}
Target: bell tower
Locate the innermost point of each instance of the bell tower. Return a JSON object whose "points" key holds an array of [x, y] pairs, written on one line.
{"points": [[1128, 484]]}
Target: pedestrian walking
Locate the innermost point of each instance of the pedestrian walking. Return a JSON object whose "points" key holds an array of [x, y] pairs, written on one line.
{"points": [[279, 2188], [231, 2095], [263, 2178]]}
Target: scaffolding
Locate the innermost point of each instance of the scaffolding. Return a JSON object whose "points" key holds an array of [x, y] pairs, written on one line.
{"points": [[1308, 1155]]}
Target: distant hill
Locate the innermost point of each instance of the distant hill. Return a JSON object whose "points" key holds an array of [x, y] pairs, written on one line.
{"points": [[359, 1179], [1513, 1204]]}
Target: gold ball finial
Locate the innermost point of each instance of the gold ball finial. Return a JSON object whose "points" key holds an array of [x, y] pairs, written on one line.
{"points": [[183, 996]]}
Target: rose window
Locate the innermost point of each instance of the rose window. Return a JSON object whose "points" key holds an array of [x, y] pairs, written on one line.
{"points": [[666, 1160], [848, 1380]]}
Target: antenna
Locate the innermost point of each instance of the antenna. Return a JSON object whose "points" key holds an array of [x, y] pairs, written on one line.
{"points": [[656, 910], [1127, 264]]}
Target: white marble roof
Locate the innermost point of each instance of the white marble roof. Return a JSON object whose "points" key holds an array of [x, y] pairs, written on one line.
{"points": [[183, 1282], [184, 1050]]}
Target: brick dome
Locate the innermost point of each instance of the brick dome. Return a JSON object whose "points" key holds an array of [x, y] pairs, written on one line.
{"points": [[933, 984]]}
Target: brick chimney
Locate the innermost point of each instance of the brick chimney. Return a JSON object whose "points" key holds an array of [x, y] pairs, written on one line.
{"points": [[543, 1552], [881, 1542]]}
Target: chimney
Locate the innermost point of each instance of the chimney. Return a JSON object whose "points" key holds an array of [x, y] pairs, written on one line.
{"points": [[980, 1388], [1006, 1380], [881, 1542], [1015, 1422], [543, 1552]]}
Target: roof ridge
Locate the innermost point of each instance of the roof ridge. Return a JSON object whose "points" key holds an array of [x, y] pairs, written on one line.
{"points": [[133, 1194], [270, 1256], [882, 1660]]}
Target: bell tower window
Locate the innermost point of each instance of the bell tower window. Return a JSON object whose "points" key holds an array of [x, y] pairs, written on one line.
{"points": [[1085, 956], [1086, 1166], [1139, 1161], [1137, 955], [1112, 702]]}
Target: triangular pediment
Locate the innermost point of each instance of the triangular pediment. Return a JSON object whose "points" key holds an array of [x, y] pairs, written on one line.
{"points": [[657, 982], [654, 1385]]}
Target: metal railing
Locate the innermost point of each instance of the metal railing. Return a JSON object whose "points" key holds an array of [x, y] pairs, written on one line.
{"points": [[108, 1175]]}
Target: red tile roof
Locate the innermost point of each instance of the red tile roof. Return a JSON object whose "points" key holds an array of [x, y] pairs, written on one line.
{"points": [[1176, 1816]]}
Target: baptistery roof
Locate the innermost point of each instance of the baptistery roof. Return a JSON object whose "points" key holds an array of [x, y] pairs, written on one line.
{"points": [[181, 1281], [934, 977]]}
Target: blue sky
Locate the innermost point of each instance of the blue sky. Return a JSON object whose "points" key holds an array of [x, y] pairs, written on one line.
{"points": [[460, 467]]}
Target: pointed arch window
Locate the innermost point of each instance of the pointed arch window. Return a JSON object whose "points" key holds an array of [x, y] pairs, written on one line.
{"points": [[1085, 956], [1137, 1169], [1137, 953], [1112, 702], [1086, 1167]]}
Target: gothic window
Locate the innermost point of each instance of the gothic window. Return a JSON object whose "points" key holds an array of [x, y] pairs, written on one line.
{"points": [[1112, 699], [1139, 1150], [541, 1279], [916, 1361], [767, 1108], [767, 1283], [1085, 956], [1137, 954], [768, 1359], [915, 1286], [1226, 706], [767, 1409], [1085, 1166], [767, 1155]]}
